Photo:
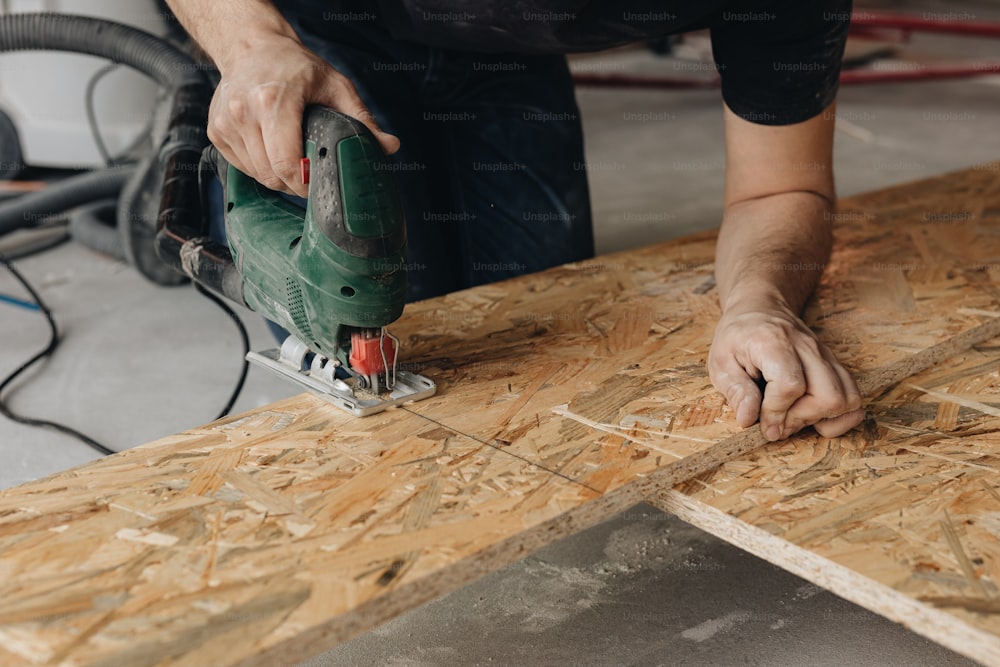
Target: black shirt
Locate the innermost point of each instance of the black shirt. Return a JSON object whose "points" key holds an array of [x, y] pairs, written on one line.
{"points": [[779, 60]]}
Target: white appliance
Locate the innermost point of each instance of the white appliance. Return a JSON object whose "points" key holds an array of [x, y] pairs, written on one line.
{"points": [[43, 93]]}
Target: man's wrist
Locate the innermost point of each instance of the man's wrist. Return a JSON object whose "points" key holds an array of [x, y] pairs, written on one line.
{"points": [[230, 31], [253, 40], [756, 296]]}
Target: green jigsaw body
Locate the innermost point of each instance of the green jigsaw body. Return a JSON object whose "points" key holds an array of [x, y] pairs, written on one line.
{"points": [[335, 265]]}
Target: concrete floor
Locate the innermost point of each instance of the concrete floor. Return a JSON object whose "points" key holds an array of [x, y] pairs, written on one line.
{"points": [[140, 362]]}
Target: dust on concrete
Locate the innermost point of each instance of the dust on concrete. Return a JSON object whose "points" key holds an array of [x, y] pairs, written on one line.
{"points": [[714, 626]]}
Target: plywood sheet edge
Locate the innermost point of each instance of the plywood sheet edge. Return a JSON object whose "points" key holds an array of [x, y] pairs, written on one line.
{"points": [[925, 620]]}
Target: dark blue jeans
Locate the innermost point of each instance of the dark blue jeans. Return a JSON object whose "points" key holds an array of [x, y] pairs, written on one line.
{"points": [[491, 168]]}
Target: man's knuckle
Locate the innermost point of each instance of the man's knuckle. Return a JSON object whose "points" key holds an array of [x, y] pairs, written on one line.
{"points": [[271, 181], [772, 329], [832, 406], [733, 391], [219, 124], [214, 133], [266, 97], [791, 385], [284, 168], [237, 109], [811, 344]]}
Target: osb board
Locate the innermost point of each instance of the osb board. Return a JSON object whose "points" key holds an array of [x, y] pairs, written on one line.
{"points": [[211, 547], [564, 397], [901, 516], [619, 344]]}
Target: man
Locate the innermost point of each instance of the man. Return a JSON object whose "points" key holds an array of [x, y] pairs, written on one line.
{"points": [[481, 97]]}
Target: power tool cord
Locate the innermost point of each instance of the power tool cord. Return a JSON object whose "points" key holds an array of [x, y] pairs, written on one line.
{"points": [[54, 343], [49, 349], [95, 129], [246, 346]]}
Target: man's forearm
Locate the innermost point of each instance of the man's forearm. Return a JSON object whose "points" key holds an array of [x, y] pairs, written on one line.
{"points": [[773, 250], [776, 227], [227, 29]]}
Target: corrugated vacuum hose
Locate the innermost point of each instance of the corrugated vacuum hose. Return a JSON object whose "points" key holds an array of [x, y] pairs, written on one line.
{"points": [[184, 138]]}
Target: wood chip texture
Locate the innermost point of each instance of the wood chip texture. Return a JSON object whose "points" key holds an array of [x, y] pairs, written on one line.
{"points": [[901, 515], [564, 397]]}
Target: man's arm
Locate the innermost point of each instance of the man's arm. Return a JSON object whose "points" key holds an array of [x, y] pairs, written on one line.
{"points": [[774, 242], [268, 77]]}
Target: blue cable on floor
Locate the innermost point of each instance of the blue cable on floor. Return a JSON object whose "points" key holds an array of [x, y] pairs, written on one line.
{"points": [[27, 305]]}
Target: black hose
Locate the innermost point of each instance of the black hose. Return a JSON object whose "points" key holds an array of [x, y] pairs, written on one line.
{"points": [[189, 90], [11, 160], [138, 212], [33, 241], [93, 225], [46, 31], [34, 208]]}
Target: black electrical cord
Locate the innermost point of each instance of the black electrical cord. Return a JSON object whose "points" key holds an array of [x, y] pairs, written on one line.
{"points": [[246, 346], [54, 232], [156, 58], [95, 130], [54, 343], [49, 349]]}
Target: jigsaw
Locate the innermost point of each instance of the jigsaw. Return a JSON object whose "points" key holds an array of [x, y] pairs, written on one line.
{"points": [[332, 274]]}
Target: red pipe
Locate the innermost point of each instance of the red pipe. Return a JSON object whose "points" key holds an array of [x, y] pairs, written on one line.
{"points": [[919, 73], [866, 22], [913, 72], [943, 22]]}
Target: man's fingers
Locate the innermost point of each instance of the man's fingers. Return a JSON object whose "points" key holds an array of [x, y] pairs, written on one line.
{"points": [[805, 384], [281, 134], [832, 427], [258, 128], [832, 402], [825, 394], [235, 131], [738, 387], [264, 171], [236, 154], [852, 395], [786, 383], [233, 156], [835, 426], [274, 139]]}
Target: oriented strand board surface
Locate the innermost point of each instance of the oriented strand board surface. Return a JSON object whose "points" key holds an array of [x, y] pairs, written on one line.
{"points": [[262, 527], [564, 397], [903, 515]]}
